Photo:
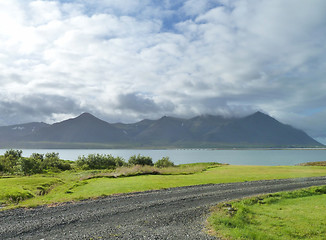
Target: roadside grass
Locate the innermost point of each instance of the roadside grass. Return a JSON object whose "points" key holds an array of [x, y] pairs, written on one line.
{"points": [[287, 215], [76, 185]]}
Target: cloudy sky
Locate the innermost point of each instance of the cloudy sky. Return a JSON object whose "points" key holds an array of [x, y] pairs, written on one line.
{"points": [[134, 59]]}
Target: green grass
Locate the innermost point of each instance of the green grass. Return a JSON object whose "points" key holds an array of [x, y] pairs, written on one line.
{"points": [[288, 215], [72, 186], [17, 189]]}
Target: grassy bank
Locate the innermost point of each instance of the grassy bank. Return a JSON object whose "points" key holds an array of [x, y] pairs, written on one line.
{"points": [[321, 163], [287, 215], [39, 189]]}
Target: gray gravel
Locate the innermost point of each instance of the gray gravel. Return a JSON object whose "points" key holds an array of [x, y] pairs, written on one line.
{"points": [[177, 213]]}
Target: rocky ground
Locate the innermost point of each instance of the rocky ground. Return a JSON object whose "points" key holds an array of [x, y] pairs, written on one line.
{"points": [[177, 213]]}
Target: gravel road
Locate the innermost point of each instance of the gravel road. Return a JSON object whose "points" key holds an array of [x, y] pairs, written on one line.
{"points": [[177, 213]]}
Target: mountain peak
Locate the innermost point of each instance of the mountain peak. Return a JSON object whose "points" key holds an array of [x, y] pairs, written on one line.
{"points": [[167, 118], [259, 113], [260, 117], [86, 115]]}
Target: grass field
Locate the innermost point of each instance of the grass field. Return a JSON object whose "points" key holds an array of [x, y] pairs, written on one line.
{"points": [[66, 186], [287, 215]]}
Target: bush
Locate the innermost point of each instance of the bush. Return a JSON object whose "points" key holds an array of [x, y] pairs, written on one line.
{"points": [[13, 162], [52, 162], [119, 162], [37, 157], [164, 162], [30, 166], [9, 160], [14, 154], [99, 161], [38, 163], [1, 166], [140, 160]]}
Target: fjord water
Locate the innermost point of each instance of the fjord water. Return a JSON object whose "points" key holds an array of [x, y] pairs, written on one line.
{"points": [[266, 157]]}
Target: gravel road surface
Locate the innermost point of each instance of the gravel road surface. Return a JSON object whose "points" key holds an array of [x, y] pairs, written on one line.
{"points": [[177, 213]]}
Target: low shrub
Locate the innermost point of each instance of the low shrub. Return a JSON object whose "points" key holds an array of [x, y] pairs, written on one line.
{"points": [[140, 160], [99, 161], [164, 163], [1, 166], [12, 162], [119, 162], [49, 162], [9, 161], [30, 166]]}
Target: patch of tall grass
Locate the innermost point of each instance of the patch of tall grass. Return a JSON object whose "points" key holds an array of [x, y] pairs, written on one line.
{"points": [[136, 170]]}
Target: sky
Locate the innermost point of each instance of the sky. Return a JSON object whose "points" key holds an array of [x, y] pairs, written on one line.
{"points": [[128, 60]]}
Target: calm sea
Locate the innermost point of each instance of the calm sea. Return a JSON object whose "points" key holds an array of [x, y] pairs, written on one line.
{"points": [[179, 156]]}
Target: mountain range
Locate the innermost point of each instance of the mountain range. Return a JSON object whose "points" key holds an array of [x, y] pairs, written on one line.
{"points": [[205, 131]]}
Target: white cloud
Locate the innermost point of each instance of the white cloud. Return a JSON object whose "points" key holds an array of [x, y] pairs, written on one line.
{"points": [[171, 58], [42, 12], [194, 8]]}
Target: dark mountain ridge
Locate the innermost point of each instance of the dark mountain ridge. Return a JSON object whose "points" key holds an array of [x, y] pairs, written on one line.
{"points": [[84, 128], [17, 131], [255, 130]]}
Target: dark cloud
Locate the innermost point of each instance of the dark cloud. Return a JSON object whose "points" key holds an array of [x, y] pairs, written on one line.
{"points": [[227, 107], [141, 104], [36, 108]]}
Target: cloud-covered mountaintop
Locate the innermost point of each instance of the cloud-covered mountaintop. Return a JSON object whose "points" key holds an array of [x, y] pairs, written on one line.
{"points": [[135, 59]]}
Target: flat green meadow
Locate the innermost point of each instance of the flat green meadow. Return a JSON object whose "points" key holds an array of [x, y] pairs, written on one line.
{"points": [[42, 189]]}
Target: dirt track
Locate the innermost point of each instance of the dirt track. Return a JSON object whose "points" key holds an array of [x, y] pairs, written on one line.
{"points": [[177, 213]]}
